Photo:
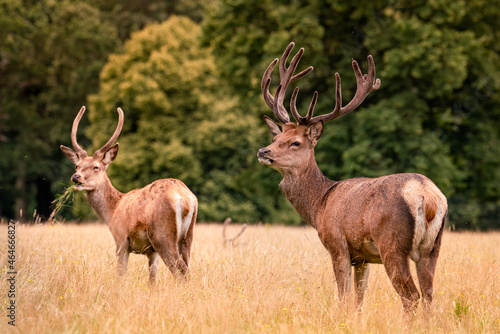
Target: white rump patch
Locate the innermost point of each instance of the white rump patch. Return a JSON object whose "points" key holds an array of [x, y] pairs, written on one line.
{"points": [[434, 228], [183, 224], [424, 236]]}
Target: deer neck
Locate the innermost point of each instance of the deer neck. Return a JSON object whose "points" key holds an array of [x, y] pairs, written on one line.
{"points": [[305, 187], [104, 199]]}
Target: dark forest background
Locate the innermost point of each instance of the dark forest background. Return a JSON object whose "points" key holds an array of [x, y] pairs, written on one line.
{"points": [[187, 74]]}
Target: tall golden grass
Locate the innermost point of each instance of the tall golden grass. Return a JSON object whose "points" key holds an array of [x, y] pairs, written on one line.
{"points": [[275, 280]]}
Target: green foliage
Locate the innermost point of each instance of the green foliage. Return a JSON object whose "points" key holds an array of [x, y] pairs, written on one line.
{"points": [[45, 70], [461, 309]]}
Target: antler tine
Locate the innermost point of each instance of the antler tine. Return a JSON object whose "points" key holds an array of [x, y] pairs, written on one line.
{"points": [[312, 105], [266, 82], [272, 102], [114, 136], [293, 106], [310, 111], [301, 73], [278, 108], [81, 152], [286, 77], [366, 83], [288, 72]]}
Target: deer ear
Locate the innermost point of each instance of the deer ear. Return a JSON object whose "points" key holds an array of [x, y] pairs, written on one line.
{"points": [[273, 126], [110, 154], [70, 154], [315, 131]]}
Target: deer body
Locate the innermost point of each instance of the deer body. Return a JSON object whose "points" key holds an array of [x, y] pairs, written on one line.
{"points": [[387, 220], [366, 213], [157, 220], [361, 210], [141, 222]]}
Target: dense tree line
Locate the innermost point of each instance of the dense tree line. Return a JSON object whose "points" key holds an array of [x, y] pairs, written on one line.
{"points": [[187, 74], [51, 54]]}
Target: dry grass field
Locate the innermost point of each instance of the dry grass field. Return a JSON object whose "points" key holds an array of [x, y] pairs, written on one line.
{"points": [[275, 280]]}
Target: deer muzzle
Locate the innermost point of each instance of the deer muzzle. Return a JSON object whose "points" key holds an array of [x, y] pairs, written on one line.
{"points": [[76, 179], [263, 156]]}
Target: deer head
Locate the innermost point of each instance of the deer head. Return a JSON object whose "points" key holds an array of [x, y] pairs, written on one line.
{"points": [[293, 143], [91, 171]]}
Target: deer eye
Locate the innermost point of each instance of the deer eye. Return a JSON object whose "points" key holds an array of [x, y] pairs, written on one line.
{"points": [[296, 144], [95, 168]]}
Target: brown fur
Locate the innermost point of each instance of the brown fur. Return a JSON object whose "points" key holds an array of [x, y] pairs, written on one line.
{"points": [[363, 220], [430, 209], [157, 220]]}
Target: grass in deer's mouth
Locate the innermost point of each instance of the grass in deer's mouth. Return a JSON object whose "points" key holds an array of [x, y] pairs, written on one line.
{"points": [[60, 201]]}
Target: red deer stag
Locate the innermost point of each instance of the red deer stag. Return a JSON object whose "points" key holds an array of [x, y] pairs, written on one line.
{"points": [[157, 220], [362, 220]]}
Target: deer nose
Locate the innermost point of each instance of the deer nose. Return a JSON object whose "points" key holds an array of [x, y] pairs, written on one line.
{"points": [[262, 152], [75, 178]]}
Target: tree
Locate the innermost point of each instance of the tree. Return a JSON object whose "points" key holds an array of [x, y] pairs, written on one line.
{"points": [[51, 55]]}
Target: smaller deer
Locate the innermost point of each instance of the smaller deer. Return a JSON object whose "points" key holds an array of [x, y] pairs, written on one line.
{"points": [[157, 220], [388, 220]]}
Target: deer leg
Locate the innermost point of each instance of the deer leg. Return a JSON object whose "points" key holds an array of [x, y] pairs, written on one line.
{"points": [[341, 261], [174, 261], [342, 271], [122, 257], [185, 242], [361, 273], [426, 267], [167, 248], [153, 267], [398, 270], [184, 250]]}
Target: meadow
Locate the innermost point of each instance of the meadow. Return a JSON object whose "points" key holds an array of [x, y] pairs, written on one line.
{"points": [[275, 279]]}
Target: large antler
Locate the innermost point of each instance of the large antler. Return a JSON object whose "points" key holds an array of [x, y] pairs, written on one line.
{"points": [[115, 135], [366, 83], [286, 77], [79, 150]]}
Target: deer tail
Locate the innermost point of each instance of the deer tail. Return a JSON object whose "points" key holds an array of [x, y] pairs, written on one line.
{"points": [[430, 209]]}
